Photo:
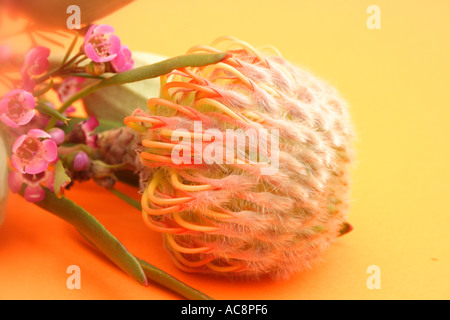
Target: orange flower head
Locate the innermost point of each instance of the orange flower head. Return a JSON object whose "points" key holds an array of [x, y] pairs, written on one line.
{"points": [[246, 164]]}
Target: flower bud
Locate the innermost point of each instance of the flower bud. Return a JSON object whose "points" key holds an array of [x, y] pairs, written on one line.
{"points": [[80, 161], [95, 68], [57, 135]]}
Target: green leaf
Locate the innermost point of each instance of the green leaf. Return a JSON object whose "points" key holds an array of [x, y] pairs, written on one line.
{"points": [[95, 232], [104, 125], [4, 189], [61, 179], [45, 108], [172, 283]]}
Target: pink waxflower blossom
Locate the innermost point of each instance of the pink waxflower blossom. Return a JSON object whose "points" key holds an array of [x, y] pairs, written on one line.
{"points": [[88, 126], [100, 44], [36, 61], [68, 87], [32, 152], [123, 61], [17, 108], [33, 191], [85, 132]]}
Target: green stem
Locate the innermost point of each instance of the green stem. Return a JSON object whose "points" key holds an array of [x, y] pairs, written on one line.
{"points": [[93, 230], [168, 281], [134, 203], [142, 73]]}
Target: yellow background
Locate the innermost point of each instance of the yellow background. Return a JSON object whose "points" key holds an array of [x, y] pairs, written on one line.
{"points": [[397, 81]]}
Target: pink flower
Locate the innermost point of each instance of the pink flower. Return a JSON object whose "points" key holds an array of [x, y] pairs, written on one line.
{"points": [[33, 190], [33, 152], [36, 61], [69, 87], [88, 126], [17, 108], [100, 44], [123, 61]]}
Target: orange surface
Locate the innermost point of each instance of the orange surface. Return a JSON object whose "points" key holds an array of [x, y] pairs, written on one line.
{"points": [[397, 81]]}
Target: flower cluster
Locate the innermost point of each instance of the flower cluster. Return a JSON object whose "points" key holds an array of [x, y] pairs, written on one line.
{"points": [[36, 127], [101, 45]]}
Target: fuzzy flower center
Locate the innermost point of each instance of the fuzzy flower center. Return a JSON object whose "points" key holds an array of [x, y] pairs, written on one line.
{"points": [[100, 44], [15, 109], [29, 149]]}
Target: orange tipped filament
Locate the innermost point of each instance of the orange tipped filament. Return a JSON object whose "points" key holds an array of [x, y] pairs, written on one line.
{"points": [[182, 249]]}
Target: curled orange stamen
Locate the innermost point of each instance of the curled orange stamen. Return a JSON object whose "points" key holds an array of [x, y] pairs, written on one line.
{"points": [[215, 215], [148, 222], [155, 157], [156, 212], [190, 188], [158, 144], [189, 263], [231, 268], [192, 86], [178, 107], [221, 107], [179, 248], [192, 226], [243, 44], [236, 72], [161, 201], [186, 134], [129, 120]]}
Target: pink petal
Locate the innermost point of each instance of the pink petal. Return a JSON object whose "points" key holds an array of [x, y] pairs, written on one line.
{"points": [[90, 53], [34, 194], [27, 82], [15, 181], [88, 35], [36, 167], [104, 29], [119, 62], [38, 133], [28, 99], [36, 61], [51, 150], [114, 44], [6, 120], [17, 163], [18, 142], [26, 117]]}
